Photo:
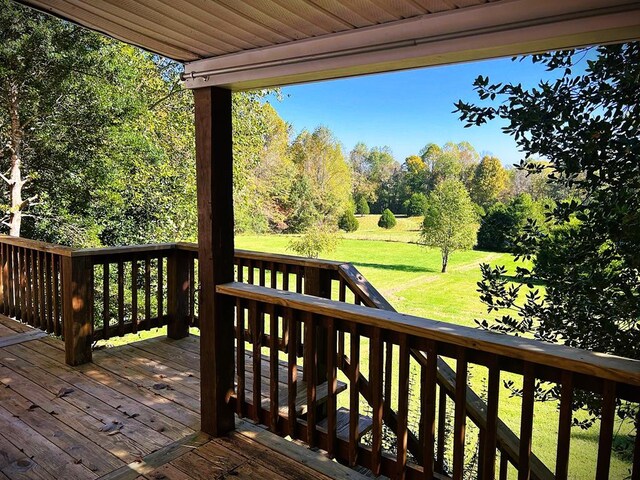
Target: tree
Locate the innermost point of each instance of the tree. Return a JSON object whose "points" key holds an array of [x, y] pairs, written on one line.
{"points": [[322, 167], [490, 182], [503, 224], [416, 205], [586, 127], [362, 206], [387, 219], [450, 222], [348, 222], [50, 111]]}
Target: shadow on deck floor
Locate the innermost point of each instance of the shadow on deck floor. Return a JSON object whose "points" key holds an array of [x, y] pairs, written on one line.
{"points": [[133, 413]]}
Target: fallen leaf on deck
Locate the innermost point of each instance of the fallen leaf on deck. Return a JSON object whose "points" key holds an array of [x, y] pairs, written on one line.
{"points": [[111, 428], [162, 386], [63, 392], [32, 407]]}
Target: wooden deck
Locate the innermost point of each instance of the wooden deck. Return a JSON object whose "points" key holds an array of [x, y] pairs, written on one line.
{"points": [[132, 413]]}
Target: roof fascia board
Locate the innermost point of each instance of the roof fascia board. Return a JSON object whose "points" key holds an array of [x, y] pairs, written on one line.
{"points": [[508, 27]]}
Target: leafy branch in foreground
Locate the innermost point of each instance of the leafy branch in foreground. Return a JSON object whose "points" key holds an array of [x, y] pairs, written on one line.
{"points": [[586, 127]]}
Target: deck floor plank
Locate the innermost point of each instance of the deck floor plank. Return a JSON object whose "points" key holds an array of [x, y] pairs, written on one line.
{"points": [[45, 435], [134, 434]]}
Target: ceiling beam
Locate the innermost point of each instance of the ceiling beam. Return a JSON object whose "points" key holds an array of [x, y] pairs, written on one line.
{"points": [[496, 29]]}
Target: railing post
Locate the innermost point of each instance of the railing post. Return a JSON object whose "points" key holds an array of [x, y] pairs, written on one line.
{"points": [[178, 293], [77, 308], [317, 282]]}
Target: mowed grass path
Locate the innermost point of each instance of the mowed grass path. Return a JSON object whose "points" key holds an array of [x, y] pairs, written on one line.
{"points": [[408, 275]]}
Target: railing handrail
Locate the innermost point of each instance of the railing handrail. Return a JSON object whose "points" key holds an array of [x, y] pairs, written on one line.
{"points": [[37, 245], [604, 366]]}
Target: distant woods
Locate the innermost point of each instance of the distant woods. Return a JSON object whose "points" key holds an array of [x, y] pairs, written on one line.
{"points": [[97, 148]]}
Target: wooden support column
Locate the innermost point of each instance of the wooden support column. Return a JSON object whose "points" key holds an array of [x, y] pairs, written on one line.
{"points": [[178, 294], [214, 162], [77, 308]]}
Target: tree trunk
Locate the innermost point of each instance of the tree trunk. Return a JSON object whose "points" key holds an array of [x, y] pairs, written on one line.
{"points": [[15, 179], [445, 261]]}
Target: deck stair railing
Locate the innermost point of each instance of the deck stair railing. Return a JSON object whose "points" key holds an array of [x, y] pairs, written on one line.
{"points": [[326, 358]]}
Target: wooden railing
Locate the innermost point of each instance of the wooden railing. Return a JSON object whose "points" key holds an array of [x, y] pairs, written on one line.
{"points": [[367, 331], [321, 319]]}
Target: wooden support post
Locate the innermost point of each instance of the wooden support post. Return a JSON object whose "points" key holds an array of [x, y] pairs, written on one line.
{"points": [[77, 309], [214, 168], [317, 282], [178, 293]]}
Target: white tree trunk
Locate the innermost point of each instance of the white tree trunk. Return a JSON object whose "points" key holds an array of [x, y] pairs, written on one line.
{"points": [[15, 180]]}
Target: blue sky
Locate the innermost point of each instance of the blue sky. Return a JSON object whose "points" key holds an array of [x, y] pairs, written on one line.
{"points": [[406, 110]]}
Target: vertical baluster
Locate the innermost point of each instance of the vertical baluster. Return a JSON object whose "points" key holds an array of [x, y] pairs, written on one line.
{"points": [[26, 281], [292, 377], [607, 419], [526, 421], [285, 321], [42, 267], [106, 314], [375, 373], [442, 425], [55, 264], [255, 321], [192, 290], [285, 277], [299, 279], [504, 466], [310, 366], [460, 414], [354, 395], [120, 299], [10, 280], [428, 388], [403, 406], [488, 458], [564, 426], [635, 472], [160, 320], [147, 292], [274, 275], [21, 283], [3, 285], [20, 288], [388, 375], [35, 292], [342, 293], [48, 291], [273, 364], [332, 385], [262, 269], [240, 356], [240, 274], [134, 296], [250, 272]]}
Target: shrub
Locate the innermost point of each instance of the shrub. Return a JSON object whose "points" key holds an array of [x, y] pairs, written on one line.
{"points": [[416, 205], [387, 219], [316, 240], [362, 207], [348, 222]]}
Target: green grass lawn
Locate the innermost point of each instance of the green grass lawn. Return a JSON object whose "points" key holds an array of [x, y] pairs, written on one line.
{"points": [[408, 275]]}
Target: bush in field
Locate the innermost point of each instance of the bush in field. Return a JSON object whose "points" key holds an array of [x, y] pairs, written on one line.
{"points": [[314, 241], [387, 219], [348, 222], [362, 207]]}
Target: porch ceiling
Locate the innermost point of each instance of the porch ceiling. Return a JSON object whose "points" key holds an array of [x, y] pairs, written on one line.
{"points": [[261, 43]]}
